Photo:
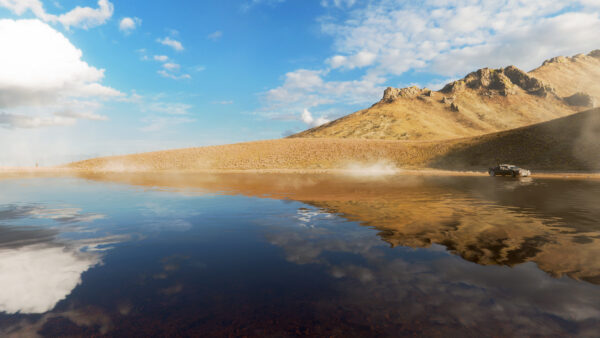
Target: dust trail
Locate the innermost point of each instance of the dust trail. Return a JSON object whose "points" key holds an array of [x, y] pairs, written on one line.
{"points": [[377, 169]]}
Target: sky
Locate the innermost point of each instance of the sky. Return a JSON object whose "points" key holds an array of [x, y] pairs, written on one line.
{"points": [[89, 78]]}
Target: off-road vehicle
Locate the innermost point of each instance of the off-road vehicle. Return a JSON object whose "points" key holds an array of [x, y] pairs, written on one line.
{"points": [[508, 169]]}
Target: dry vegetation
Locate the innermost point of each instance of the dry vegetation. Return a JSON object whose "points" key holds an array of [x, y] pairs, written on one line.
{"points": [[568, 143]]}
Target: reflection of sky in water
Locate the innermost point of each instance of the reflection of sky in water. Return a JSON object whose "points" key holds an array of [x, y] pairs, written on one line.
{"points": [[92, 257]]}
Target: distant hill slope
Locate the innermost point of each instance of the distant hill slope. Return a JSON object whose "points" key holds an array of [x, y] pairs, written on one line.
{"points": [[569, 75], [570, 143], [567, 143], [485, 101]]}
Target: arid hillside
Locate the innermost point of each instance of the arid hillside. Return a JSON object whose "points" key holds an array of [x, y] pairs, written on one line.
{"points": [[485, 101], [568, 144]]}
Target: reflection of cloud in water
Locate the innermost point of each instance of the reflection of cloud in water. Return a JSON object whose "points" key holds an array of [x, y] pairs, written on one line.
{"points": [[442, 290], [34, 278], [62, 215], [308, 216], [37, 268]]}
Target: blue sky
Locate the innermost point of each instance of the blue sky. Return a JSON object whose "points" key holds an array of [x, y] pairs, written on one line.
{"points": [[164, 74]]}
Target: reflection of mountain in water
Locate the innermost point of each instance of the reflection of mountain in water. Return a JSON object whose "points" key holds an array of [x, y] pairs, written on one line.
{"points": [[484, 220]]}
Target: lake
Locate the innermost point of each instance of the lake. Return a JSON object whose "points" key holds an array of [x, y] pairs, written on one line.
{"points": [[290, 254]]}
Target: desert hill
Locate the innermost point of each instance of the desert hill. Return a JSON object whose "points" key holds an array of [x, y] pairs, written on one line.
{"points": [[485, 101], [569, 143]]}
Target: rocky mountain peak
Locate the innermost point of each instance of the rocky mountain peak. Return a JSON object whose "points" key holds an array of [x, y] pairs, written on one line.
{"points": [[504, 81]]}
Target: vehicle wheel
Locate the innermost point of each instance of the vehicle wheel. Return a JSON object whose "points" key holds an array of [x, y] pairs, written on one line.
{"points": [[514, 174], [492, 173]]}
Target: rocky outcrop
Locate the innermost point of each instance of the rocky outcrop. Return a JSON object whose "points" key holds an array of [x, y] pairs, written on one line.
{"points": [[390, 94], [580, 100], [502, 81], [527, 82], [558, 59], [454, 107]]}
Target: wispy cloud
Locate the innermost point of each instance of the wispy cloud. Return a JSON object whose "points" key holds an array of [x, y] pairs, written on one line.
{"points": [[157, 123], [215, 35], [160, 58], [167, 41], [169, 75]]}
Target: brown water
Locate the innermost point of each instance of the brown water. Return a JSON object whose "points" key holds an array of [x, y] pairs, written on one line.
{"points": [[285, 255]]}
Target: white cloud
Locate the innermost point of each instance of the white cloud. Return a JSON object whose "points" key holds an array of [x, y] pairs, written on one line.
{"points": [[127, 25], [80, 17], [40, 68], [166, 74], [304, 89], [338, 3], [81, 115], [383, 39], [358, 60], [167, 41], [311, 121], [160, 58], [215, 35], [24, 121], [455, 37], [171, 66]]}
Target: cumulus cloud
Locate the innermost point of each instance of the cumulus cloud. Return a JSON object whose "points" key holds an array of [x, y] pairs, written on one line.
{"points": [[358, 60], [127, 25], [80, 17], [311, 121], [383, 39], [457, 36], [306, 88], [167, 41], [41, 68]]}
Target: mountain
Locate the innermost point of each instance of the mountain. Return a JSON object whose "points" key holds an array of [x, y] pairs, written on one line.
{"points": [[485, 101]]}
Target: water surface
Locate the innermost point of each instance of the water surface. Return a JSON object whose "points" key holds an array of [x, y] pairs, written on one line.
{"points": [[285, 255]]}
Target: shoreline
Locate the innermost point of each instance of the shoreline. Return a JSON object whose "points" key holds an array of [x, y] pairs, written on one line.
{"points": [[18, 171]]}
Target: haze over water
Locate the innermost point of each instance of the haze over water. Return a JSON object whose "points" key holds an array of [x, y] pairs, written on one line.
{"points": [[283, 255]]}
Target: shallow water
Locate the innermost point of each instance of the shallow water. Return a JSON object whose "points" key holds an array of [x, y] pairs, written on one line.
{"points": [[281, 255]]}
